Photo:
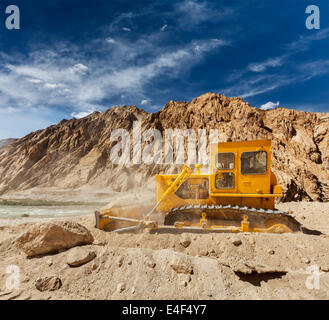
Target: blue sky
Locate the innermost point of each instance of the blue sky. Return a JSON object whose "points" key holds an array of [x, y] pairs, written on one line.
{"points": [[72, 57]]}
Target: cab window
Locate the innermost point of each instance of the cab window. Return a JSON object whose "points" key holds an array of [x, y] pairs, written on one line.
{"points": [[225, 161], [254, 162], [194, 189], [224, 180]]}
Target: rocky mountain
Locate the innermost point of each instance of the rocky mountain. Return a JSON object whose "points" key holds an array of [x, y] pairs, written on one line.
{"points": [[5, 142], [77, 152]]}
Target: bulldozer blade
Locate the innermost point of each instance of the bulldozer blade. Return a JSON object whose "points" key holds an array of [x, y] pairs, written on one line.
{"points": [[121, 217]]}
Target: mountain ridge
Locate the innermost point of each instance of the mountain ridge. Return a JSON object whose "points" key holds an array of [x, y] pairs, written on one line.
{"points": [[76, 152]]}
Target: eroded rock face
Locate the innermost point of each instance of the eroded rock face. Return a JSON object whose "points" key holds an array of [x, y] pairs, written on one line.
{"points": [[50, 237], [77, 152]]}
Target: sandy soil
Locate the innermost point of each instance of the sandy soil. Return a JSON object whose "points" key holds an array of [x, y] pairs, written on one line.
{"points": [[142, 266]]}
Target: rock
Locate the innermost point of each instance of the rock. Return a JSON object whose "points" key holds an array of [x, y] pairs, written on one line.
{"points": [[185, 241], [249, 268], [181, 266], [236, 241], [324, 268], [50, 237], [183, 283], [306, 260], [26, 280], [121, 287], [49, 262], [204, 253], [244, 268], [120, 261], [252, 241], [79, 256], [270, 251], [151, 264], [184, 279], [98, 243], [50, 283]]}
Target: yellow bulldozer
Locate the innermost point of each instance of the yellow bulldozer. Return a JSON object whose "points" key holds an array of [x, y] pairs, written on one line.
{"points": [[236, 195]]}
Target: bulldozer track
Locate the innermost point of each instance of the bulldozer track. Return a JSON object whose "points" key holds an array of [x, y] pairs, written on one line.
{"points": [[236, 213], [273, 213]]}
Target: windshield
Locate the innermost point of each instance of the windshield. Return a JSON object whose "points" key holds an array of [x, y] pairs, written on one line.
{"points": [[254, 162]]}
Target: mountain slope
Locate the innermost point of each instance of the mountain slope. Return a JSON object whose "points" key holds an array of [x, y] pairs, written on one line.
{"points": [[5, 142], [77, 152]]}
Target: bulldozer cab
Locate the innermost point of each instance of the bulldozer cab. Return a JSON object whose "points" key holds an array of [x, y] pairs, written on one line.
{"points": [[240, 167], [239, 174]]}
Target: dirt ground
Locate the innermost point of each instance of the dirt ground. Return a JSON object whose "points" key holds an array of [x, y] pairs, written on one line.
{"points": [[161, 266]]}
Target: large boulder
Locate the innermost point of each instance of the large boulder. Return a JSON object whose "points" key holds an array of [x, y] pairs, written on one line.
{"points": [[50, 237]]}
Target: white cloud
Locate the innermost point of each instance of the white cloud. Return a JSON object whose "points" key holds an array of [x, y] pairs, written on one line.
{"points": [[300, 45], [8, 110], [191, 13], [269, 105], [248, 87], [53, 78], [79, 67], [262, 66], [82, 114], [68, 78], [119, 21], [164, 27], [303, 42], [145, 102], [37, 81], [110, 40], [134, 78], [30, 71], [51, 85]]}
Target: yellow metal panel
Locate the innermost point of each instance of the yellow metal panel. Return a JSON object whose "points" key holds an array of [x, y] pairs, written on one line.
{"points": [[246, 184], [246, 195]]}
